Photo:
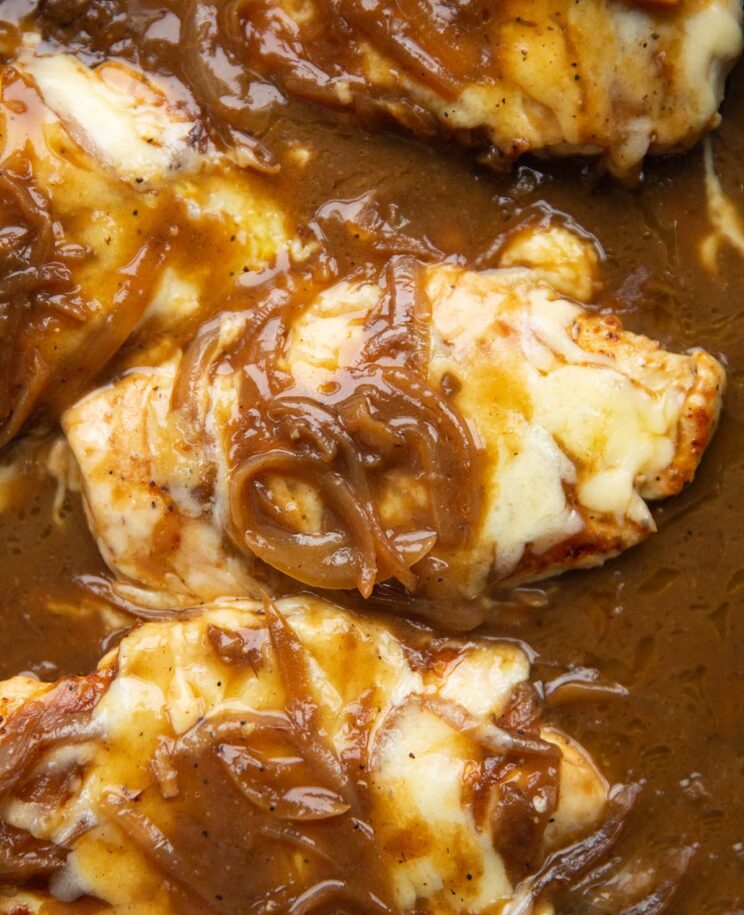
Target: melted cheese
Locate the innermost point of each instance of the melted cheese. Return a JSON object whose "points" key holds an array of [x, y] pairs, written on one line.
{"points": [[625, 101], [115, 155], [167, 679], [564, 258], [122, 117], [330, 333], [727, 224], [623, 79], [576, 422], [580, 422]]}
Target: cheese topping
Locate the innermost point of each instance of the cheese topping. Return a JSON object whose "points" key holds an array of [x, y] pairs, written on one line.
{"points": [[578, 423], [120, 115], [108, 169], [409, 718], [590, 78]]}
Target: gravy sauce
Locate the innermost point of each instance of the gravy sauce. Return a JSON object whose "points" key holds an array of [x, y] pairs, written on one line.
{"points": [[641, 660]]}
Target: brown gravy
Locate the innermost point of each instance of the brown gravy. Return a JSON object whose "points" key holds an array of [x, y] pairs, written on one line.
{"points": [[664, 620]]}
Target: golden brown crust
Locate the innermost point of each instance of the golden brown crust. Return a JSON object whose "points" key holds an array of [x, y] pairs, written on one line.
{"points": [[701, 380], [696, 427]]}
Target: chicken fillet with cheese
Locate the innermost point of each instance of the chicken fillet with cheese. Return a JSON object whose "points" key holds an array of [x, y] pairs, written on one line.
{"points": [[452, 429], [107, 188], [290, 758], [599, 77]]}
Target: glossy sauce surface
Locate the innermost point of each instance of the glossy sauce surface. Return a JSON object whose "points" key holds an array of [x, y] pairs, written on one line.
{"points": [[664, 621]]}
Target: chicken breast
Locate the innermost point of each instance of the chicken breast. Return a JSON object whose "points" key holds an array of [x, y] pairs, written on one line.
{"points": [[453, 429], [363, 764], [107, 189], [603, 77]]}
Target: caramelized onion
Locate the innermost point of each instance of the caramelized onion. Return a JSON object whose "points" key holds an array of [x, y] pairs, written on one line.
{"points": [[150, 840], [187, 881], [24, 858], [363, 217], [108, 336], [564, 867], [336, 896], [296, 55], [109, 592], [341, 444], [37, 290], [400, 325], [663, 894], [191, 379], [239, 646], [454, 614], [260, 781], [233, 725], [17, 192], [521, 806], [391, 34], [37, 375], [390, 408], [324, 559], [284, 765], [523, 709], [582, 683], [272, 41], [35, 275], [494, 740], [279, 831], [100, 343], [517, 826], [230, 123], [61, 714], [301, 709]]}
